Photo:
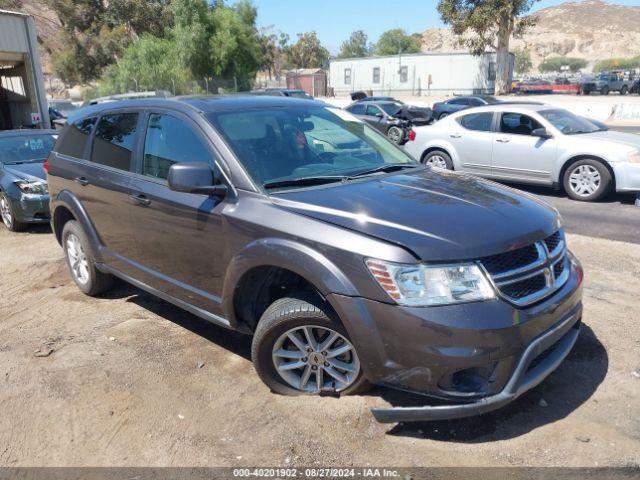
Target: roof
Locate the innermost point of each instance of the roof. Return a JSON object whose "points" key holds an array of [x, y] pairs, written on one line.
{"points": [[427, 54], [26, 132], [512, 107], [203, 103]]}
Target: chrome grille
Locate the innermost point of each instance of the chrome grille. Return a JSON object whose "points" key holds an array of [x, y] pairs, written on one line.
{"points": [[530, 274]]}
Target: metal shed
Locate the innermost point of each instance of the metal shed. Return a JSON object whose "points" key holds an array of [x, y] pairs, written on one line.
{"points": [[311, 80], [415, 74], [23, 102]]}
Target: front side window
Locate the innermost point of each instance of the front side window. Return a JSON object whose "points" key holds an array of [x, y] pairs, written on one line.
{"points": [[169, 140], [373, 111], [404, 74], [480, 122], [459, 101], [376, 75], [114, 140], [293, 143], [347, 76], [357, 109], [74, 139], [518, 124]]}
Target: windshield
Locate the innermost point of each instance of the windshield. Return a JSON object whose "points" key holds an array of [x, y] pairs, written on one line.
{"points": [[63, 106], [292, 143], [568, 123], [299, 94], [392, 108], [490, 100], [26, 148]]}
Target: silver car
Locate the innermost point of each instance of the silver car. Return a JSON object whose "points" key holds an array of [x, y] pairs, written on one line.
{"points": [[536, 144]]}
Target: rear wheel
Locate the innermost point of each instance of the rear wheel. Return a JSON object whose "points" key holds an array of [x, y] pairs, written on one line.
{"points": [[604, 91], [299, 349], [438, 159], [396, 135], [81, 263], [624, 90], [443, 115], [8, 216], [587, 180]]}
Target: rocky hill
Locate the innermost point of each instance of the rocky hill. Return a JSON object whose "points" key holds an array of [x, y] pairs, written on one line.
{"points": [[593, 30]]}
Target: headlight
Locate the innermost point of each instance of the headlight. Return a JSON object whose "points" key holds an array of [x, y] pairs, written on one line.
{"points": [[425, 285], [34, 188], [634, 156]]}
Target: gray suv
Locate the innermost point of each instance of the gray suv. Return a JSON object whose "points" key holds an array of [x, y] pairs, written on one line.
{"points": [[347, 261]]}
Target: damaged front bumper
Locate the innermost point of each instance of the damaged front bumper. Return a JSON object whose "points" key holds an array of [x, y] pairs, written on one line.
{"points": [[540, 358]]}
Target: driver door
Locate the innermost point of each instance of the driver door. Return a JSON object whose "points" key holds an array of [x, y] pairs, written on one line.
{"points": [[376, 118], [520, 156]]}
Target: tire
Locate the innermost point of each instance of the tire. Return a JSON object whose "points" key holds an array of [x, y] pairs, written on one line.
{"points": [[291, 315], [438, 159], [624, 90], [8, 215], [443, 115], [604, 91], [580, 171], [396, 135], [79, 258]]}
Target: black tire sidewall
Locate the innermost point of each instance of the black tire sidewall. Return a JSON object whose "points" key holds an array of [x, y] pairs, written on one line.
{"points": [[443, 154], [605, 180], [16, 226], [275, 322], [74, 227]]}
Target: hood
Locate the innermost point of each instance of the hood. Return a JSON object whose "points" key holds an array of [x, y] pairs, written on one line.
{"points": [[437, 216], [628, 139], [27, 171]]}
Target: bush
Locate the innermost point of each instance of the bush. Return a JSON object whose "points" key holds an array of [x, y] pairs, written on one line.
{"points": [[617, 64], [555, 64]]}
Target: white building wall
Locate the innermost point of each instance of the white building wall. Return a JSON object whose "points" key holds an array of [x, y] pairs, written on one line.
{"points": [[426, 74]]}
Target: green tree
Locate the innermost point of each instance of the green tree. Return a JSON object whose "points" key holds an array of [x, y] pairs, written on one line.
{"points": [[555, 64], [488, 24], [628, 63], [395, 41], [523, 63], [307, 52], [356, 46]]}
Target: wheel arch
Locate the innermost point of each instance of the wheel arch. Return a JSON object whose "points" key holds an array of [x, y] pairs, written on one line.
{"points": [[441, 148], [571, 160], [67, 207]]}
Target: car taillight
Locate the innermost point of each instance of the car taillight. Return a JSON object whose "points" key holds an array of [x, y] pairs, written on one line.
{"points": [[45, 165], [412, 135]]}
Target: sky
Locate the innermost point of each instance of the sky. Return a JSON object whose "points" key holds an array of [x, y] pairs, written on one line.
{"points": [[334, 20]]}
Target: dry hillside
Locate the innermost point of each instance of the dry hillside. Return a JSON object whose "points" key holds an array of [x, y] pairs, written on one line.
{"points": [[591, 29]]}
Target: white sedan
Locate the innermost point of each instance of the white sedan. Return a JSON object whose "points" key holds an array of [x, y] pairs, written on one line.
{"points": [[536, 144]]}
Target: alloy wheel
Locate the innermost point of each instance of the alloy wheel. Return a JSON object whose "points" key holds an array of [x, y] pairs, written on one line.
{"points": [[436, 161], [5, 211], [584, 180], [312, 358], [394, 135], [77, 259]]}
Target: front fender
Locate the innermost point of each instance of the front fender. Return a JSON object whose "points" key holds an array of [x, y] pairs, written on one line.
{"points": [[290, 255], [66, 199]]}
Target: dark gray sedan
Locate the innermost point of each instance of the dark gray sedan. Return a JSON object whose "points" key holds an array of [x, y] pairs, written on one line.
{"points": [[455, 104], [24, 195]]}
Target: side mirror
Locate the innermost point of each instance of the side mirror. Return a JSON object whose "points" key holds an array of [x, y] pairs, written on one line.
{"points": [[541, 132], [379, 115], [194, 178]]}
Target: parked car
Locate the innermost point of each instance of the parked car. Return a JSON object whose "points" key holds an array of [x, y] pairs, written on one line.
{"points": [[24, 195], [607, 82], [537, 144], [455, 104], [348, 261], [390, 117], [63, 107], [635, 88], [283, 92]]}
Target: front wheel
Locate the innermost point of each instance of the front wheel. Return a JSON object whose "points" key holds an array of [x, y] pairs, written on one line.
{"points": [[604, 91], [8, 215], [438, 159], [624, 90], [299, 349], [587, 180]]}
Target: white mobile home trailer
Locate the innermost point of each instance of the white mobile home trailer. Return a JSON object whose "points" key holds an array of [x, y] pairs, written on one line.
{"points": [[415, 74], [23, 101]]}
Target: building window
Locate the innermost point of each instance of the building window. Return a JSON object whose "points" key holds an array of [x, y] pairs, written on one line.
{"points": [[376, 75], [347, 76], [404, 74], [492, 71]]}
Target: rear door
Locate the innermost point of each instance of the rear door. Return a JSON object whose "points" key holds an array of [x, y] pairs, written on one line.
{"points": [[179, 242], [520, 156], [472, 136]]}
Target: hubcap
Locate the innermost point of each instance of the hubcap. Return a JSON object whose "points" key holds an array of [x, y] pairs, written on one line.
{"points": [[77, 259], [313, 358], [5, 211], [437, 161], [584, 180], [394, 135]]}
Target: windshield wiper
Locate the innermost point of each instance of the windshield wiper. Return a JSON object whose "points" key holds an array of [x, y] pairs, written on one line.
{"points": [[384, 169], [304, 181]]}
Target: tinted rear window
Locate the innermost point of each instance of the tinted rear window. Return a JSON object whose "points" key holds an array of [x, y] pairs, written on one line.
{"points": [[74, 140], [477, 121], [114, 140]]}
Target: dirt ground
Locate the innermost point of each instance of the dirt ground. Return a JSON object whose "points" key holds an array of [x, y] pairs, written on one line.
{"points": [[129, 380]]}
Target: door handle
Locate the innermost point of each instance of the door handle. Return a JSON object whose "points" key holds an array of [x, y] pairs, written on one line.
{"points": [[140, 199], [82, 181], [503, 140], [455, 135]]}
